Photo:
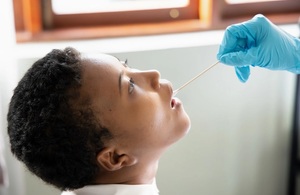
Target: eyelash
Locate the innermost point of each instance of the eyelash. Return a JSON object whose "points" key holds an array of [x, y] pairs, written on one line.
{"points": [[131, 86], [125, 63], [131, 81]]}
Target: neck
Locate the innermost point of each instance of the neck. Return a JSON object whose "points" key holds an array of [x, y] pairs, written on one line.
{"points": [[140, 173]]}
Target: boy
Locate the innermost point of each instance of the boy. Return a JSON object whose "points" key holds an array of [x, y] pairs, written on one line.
{"points": [[83, 122]]}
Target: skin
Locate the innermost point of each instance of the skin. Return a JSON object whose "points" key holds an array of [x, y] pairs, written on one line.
{"points": [[136, 106]]}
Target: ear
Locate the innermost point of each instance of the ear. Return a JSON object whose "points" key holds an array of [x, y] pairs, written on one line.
{"points": [[110, 160]]}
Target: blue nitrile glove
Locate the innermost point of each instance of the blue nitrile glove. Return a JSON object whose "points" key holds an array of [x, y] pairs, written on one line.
{"points": [[258, 42]]}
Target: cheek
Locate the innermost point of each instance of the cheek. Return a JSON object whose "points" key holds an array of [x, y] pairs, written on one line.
{"points": [[148, 124]]}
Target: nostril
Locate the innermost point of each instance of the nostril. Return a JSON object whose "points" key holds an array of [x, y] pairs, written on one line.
{"points": [[155, 83], [156, 79]]}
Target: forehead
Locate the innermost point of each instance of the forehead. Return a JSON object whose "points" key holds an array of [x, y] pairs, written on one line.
{"points": [[97, 66], [100, 78], [100, 84], [99, 58]]}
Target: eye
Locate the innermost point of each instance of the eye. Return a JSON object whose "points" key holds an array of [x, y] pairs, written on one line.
{"points": [[125, 63], [131, 86]]}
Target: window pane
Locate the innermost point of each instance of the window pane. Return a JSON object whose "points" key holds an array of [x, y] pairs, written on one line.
{"points": [[96, 6]]}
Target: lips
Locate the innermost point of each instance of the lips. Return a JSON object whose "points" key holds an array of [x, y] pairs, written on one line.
{"points": [[173, 101]]}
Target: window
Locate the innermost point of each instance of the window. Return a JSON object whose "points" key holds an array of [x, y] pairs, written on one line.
{"points": [[75, 13], [94, 6], [47, 20]]}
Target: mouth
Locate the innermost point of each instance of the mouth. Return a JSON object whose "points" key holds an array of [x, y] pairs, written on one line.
{"points": [[173, 102]]}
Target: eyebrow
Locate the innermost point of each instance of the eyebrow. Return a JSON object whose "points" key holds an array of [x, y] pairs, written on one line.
{"points": [[120, 82]]}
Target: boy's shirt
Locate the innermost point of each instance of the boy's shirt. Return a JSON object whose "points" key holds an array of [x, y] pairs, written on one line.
{"points": [[116, 189]]}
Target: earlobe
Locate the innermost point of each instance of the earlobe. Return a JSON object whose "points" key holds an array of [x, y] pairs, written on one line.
{"points": [[110, 160]]}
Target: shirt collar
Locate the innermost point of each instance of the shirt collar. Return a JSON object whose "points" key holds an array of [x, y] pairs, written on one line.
{"points": [[116, 189]]}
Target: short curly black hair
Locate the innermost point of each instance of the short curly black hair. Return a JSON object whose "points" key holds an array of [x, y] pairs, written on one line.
{"points": [[56, 140]]}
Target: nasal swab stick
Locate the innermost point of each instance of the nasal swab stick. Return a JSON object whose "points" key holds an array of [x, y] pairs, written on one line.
{"points": [[201, 73]]}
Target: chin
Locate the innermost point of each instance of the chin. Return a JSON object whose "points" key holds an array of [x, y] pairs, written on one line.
{"points": [[187, 124], [186, 120]]}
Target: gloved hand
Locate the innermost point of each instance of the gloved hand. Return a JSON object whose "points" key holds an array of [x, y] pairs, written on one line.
{"points": [[258, 42]]}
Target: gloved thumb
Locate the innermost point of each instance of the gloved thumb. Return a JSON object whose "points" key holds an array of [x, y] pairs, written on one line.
{"points": [[242, 73]]}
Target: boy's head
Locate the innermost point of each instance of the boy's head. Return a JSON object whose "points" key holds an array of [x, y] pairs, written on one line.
{"points": [[80, 119]]}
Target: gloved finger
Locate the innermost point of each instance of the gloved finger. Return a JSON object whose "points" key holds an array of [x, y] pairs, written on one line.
{"points": [[242, 73], [234, 59], [232, 42], [241, 58]]}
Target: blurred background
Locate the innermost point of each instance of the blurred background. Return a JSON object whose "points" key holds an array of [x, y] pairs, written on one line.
{"points": [[240, 138]]}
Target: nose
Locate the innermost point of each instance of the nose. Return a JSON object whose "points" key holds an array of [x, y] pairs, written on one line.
{"points": [[153, 77]]}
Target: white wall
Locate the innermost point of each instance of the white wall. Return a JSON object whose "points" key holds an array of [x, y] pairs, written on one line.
{"points": [[239, 140]]}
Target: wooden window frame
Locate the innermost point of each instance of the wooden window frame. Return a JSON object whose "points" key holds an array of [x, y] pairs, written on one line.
{"points": [[268, 7], [49, 27], [34, 25], [279, 12]]}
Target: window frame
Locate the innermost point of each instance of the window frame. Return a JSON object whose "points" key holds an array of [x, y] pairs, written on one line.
{"points": [[267, 7], [31, 25], [279, 12]]}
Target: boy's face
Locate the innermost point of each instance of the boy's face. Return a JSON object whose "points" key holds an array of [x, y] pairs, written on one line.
{"points": [[136, 106]]}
